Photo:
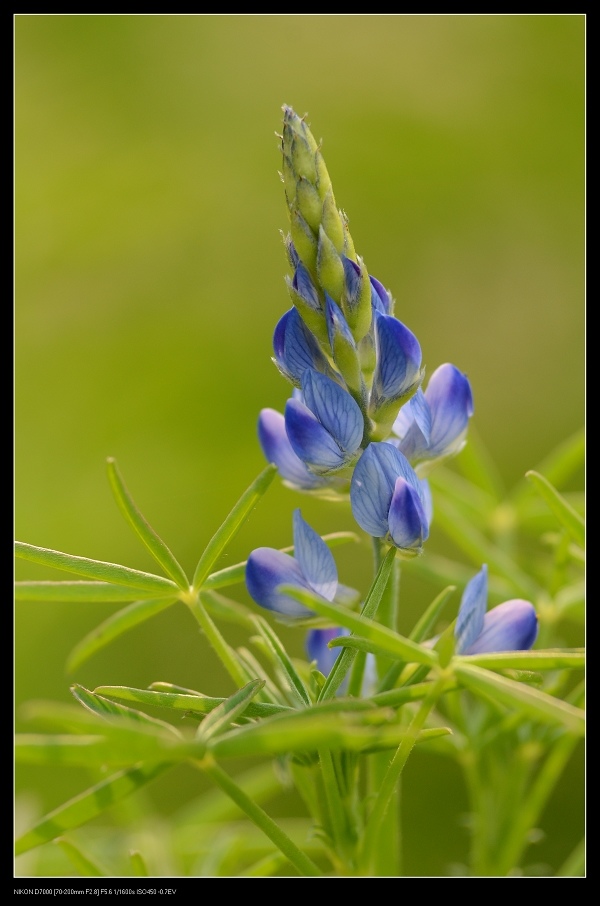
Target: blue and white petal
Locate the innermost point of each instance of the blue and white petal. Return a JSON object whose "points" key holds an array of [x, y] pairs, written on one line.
{"points": [[310, 440], [473, 605], [512, 626], [336, 410], [407, 522], [296, 348], [398, 365], [266, 570], [277, 449], [315, 559]]}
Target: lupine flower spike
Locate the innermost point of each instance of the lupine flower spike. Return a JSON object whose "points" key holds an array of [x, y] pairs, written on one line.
{"points": [[511, 626]]}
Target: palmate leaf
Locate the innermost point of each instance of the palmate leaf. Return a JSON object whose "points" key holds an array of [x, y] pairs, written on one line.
{"points": [[309, 730], [112, 573], [183, 702], [232, 524], [89, 805], [77, 591], [564, 512], [142, 528], [536, 704], [544, 659], [111, 711], [227, 712]]}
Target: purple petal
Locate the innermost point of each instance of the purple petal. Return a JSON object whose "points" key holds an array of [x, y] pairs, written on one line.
{"points": [[471, 612], [266, 570], [373, 483], [317, 650], [407, 521], [309, 439], [450, 402], [278, 450], [335, 409], [336, 322], [398, 358], [380, 298], [512, 626], [296, 349], [315, 559]]}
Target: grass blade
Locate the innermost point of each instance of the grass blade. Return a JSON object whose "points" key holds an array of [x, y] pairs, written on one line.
{"points": [[537, 704], [88, 805], [282, 660], [96, 569], [143, 529], [76, 591], [564, 512], [232, 524]]}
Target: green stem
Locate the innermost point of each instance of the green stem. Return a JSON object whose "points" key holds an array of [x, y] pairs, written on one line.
{"points": [[389, 783], [298, 859], [387, 857], [335, 806], [225, 653]]}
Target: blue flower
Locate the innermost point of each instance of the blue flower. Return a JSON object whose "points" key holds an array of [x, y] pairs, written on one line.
{"points": [[397, 373], [312, 568], [512, 626], [389, 501], [433, 425], [278, 450], [297, 350], [326, 426]]}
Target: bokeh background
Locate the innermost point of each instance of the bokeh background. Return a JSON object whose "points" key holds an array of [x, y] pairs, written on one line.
{"points": [[150, 275]]}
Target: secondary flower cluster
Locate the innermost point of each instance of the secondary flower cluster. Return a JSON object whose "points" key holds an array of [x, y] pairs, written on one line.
{"points": [[357, 421]]}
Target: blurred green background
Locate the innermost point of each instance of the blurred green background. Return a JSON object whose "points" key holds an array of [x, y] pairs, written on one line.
{"points": [[150, 275]]}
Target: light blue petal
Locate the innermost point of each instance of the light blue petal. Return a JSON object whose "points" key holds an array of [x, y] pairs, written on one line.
{"points": [[315, 559], [512, 626], [450, 402], [473, 605], [427, 499], [335, 409], [398, 359], [353, 280], [296, 349], [373, 484], [336, 322], [278, 450], [380, 298], [407, 521], [266, 570], [304, 286], [310, 440]]}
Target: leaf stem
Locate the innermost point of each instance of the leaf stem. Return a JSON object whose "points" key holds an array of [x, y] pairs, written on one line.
{"points": [[298, 859]]}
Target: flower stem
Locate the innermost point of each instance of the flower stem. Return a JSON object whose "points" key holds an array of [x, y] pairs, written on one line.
{"points": [[373, 830]]}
